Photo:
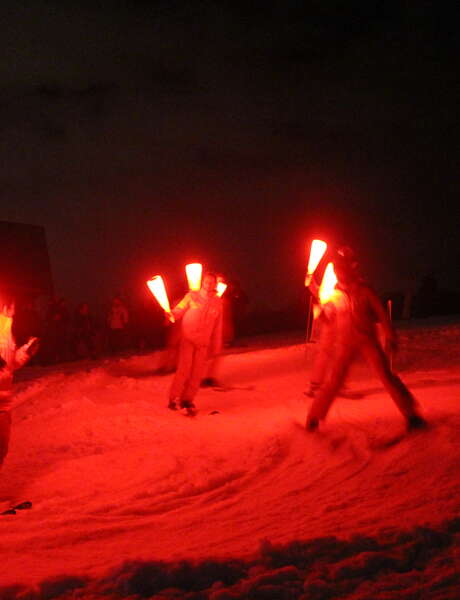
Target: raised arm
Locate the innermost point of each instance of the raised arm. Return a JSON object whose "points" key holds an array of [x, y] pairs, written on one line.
{"points": [[181, 307]]}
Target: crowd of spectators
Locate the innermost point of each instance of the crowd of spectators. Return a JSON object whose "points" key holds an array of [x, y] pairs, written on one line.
{"points": [[85, 332], [73, 332]]}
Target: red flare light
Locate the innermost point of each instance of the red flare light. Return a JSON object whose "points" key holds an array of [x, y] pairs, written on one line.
{"points": [[317, 250], [327, 287], [221, 287], [194, 272], [5, 325], [157, 287]]}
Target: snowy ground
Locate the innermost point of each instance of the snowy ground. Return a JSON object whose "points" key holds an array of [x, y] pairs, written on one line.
{"points": [[131, 500]]}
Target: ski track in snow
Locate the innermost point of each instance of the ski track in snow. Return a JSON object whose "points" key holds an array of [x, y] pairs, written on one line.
{"points": [[113, 473]]}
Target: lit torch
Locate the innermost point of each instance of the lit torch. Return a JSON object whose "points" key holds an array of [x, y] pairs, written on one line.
{"points": [[5, 326], [194, 272], [327, 287], [220, 288], [317, 250], [157, 287]]}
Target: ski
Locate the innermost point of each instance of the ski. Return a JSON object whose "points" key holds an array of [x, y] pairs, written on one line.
{"points": [[188, 411], [26, 505], [232, 388], [194, 413]]}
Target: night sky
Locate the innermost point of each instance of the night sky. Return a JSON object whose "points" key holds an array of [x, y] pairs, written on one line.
{"points": [[143, 135]]}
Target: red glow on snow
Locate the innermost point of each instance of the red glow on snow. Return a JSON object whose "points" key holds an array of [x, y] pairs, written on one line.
{"points": [[327, 286], [134, 494], [194, 272], [317, 250], [157, 287]]}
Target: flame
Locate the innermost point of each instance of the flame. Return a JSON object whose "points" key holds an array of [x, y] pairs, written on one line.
{"points": [[5, 326], [157, 287], [194, 272], [327, 287], [317, 250], [221, 287]]}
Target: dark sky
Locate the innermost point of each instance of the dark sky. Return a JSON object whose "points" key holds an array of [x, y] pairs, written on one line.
{"points": [[143, 135]]}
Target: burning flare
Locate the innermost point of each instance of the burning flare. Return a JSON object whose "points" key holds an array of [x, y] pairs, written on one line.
{"points": [[327, 287], [5, 326], [194, 272], [157, 287], [317, 250], [221, 287]]}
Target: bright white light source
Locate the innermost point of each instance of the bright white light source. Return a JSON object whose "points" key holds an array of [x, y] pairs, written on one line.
{"points": [[327, 287], [157, 287], [194, 272], [221, 287], [317, 250]]}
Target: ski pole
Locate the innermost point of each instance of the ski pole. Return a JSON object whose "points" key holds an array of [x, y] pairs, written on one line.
{"points": [[390, 351]]}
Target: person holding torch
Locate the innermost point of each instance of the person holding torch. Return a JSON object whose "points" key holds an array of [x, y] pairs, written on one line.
{"points": [[326, 343], [200, 313], [11, 359], [354, 310]]}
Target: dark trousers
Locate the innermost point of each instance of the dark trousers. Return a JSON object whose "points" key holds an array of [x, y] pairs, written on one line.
{"points": [[370, 348]]}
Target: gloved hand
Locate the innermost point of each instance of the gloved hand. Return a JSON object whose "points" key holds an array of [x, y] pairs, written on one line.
{"points": [[169, 318], [25, 352], [32, 346]]}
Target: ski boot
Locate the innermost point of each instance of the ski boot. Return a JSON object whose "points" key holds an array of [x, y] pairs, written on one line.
{"points": [[172, 405], [416, 423], [312, 424], [188, 408], [209, 382]]}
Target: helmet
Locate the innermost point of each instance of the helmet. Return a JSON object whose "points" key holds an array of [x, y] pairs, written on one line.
{"points": [[345, 263], [346, 253]]}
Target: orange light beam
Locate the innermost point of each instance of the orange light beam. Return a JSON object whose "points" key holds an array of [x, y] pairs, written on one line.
{"points": [[221, 287], [157, 287], [194, 272], [317, 250], [327, 287]]}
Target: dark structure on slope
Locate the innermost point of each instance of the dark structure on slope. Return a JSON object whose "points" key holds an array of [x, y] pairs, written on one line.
{"points": [[25, 271]]}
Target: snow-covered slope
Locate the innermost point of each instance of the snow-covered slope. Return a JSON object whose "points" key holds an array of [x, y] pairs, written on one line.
{"points": [[118, 482]]}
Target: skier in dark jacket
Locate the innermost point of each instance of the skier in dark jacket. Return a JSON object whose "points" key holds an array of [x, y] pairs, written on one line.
{"points": [[57, 332], [84, 332], [355, 310], [325, 345]]}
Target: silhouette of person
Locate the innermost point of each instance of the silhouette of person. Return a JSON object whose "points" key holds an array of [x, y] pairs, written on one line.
{"points": [[355, 309]]}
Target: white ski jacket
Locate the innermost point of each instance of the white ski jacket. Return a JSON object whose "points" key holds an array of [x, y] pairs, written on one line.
{"points": [[201, 319]]}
